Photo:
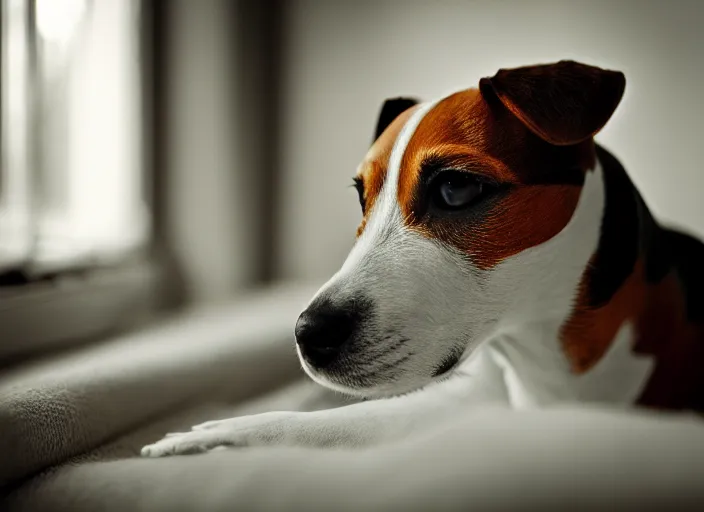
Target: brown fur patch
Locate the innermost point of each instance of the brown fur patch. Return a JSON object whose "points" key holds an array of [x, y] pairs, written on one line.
{"points": [[589, 332], [657, 314], [465, 131]]}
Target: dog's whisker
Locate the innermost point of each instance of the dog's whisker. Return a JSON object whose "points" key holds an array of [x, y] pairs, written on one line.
{"points": [[380, 369]]}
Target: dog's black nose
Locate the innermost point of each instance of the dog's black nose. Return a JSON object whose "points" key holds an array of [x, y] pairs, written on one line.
{"points": [[323, 329]]}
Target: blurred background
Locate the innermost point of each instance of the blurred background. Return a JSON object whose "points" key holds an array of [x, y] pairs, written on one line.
{"points": [[166, 152], [175, 184]]}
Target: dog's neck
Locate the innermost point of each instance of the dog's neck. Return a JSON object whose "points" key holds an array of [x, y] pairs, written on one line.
{"points": [[629, 278], [620, 297]]}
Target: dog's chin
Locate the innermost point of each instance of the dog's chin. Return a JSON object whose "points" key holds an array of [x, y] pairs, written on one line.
{"points": [[349, 380], [381, 389]]}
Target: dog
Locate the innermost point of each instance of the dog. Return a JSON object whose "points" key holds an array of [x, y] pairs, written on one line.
{"points": [[503, 257]]}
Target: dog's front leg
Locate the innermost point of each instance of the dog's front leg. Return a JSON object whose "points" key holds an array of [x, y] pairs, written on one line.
{"points": [[354, 425]]}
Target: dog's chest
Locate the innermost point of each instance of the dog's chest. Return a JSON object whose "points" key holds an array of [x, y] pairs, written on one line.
{"points": [[536, 372]]}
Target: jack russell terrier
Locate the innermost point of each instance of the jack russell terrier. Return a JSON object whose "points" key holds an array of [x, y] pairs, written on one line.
{"points": [[503, 257]]}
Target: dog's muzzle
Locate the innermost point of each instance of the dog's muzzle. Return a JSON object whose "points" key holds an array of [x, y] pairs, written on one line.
{"points": [[325, 328]]}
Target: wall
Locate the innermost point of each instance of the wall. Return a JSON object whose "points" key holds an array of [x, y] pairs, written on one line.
{"points": [[342, 59], [211, 222]]}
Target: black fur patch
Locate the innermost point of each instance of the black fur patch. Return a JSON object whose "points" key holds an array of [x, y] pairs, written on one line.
{"points": [[391, 109], [629, 229], [619, 242], [687, 258], [653, 244]]}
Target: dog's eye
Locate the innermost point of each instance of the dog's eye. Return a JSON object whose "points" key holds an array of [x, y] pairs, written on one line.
{"points": [[359, 185], [454, 190]]}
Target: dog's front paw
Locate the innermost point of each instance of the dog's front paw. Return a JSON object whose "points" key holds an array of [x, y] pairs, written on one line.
{"points": [[259, 429]]}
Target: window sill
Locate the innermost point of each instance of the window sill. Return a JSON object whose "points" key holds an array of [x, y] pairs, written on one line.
{"points": [[49, 314]]}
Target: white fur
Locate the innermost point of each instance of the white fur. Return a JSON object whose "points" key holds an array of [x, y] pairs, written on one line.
{"points": [[505, 322], [540, 285]]}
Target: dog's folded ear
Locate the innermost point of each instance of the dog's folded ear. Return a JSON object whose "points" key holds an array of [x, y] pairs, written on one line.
{"points": [[563, 103], [391, 109]]}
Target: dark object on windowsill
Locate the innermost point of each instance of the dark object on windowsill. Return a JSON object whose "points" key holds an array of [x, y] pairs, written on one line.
{"points": [[13, 277], [53, 309], [23, 276], [80, 267]]}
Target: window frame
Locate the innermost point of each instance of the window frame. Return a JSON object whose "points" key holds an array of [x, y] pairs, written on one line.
{"points": [[42, 309]]}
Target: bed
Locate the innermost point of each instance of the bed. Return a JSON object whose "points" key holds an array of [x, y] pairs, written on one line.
{"points": [[72, 425]]}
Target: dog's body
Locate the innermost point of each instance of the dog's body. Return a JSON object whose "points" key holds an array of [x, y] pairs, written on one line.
{"points": [[503, 258]]}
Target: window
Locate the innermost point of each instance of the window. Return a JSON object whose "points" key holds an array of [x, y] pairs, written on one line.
{"points": [[72, 184]]}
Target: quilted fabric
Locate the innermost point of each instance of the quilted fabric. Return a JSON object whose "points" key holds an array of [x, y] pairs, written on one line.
{"points": [[67, 404]]}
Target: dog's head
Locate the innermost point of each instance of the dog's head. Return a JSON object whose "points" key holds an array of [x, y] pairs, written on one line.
{"points": [[480, 210]]}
